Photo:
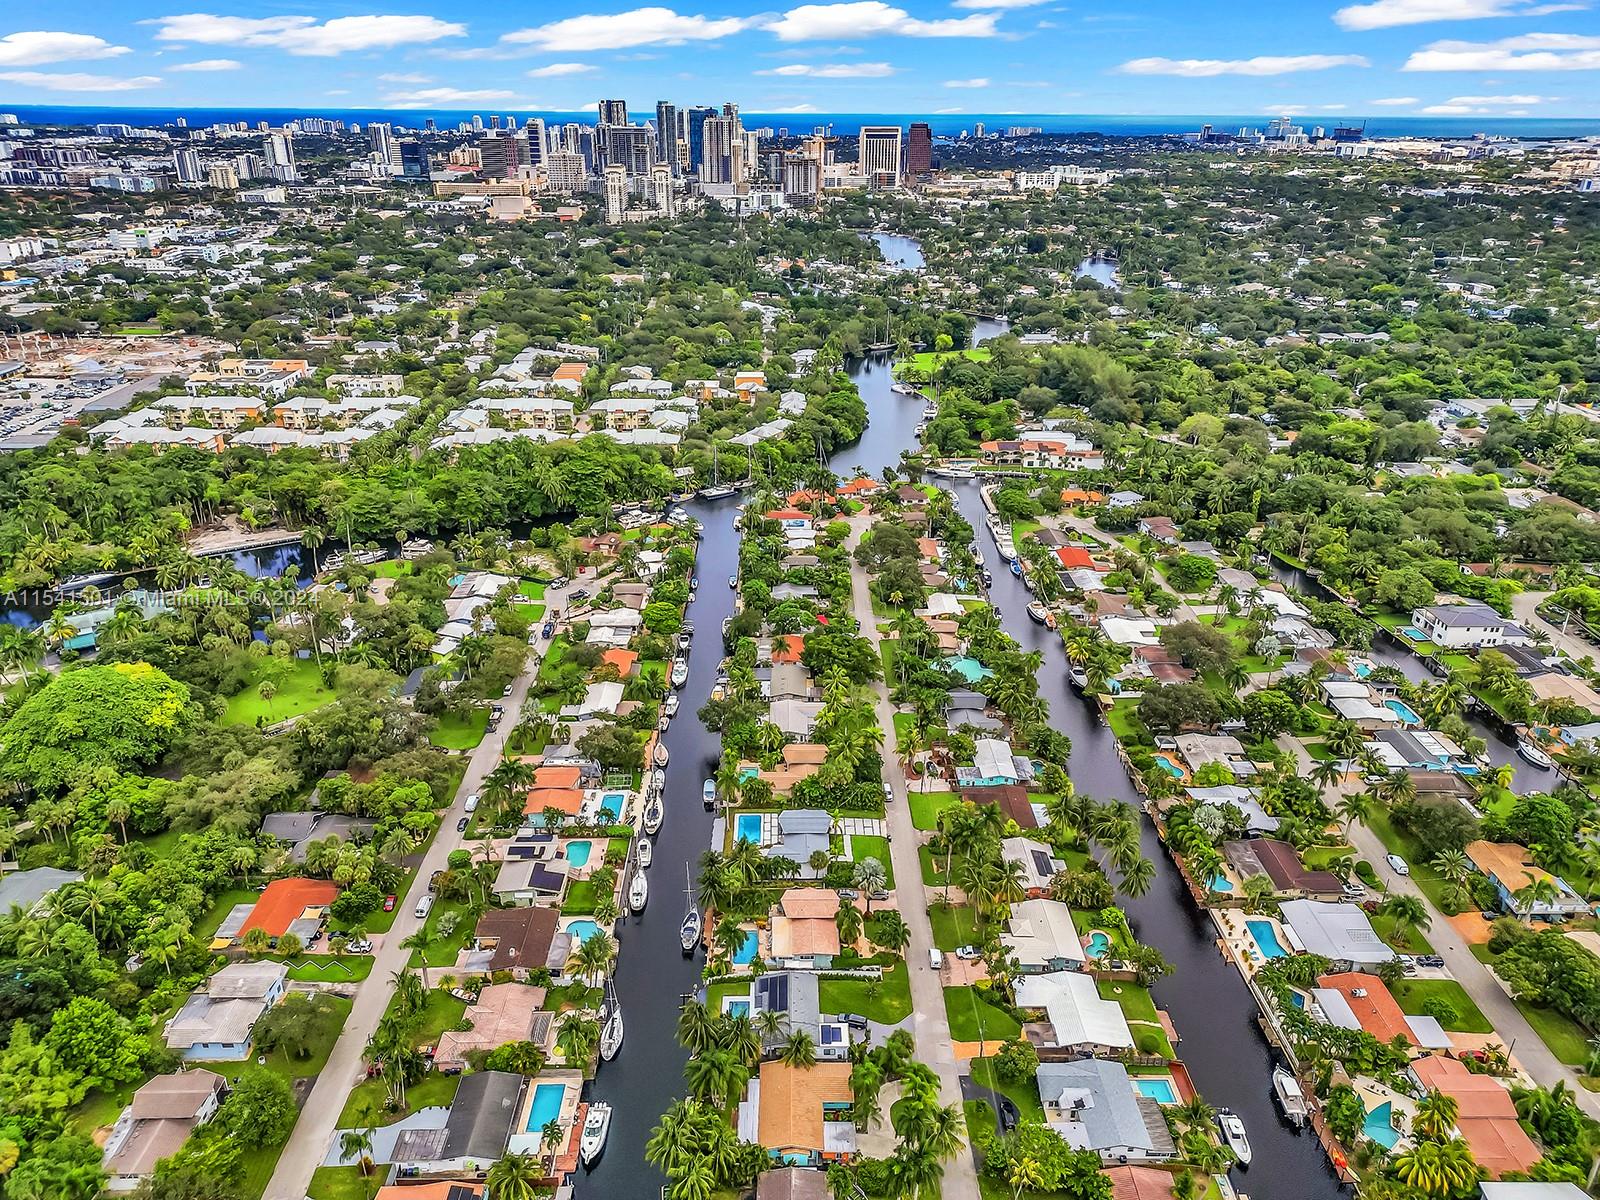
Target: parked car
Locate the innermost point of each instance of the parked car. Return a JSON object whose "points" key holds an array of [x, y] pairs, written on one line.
{"points": [[1354, 890], [472, 803], [849, 894], [888, 794], [461, 825], [549, 630], [505, 691], [854, 1020], [1431, 960], [968, 952], [935, 959], [1397, 864], [424, 905], [560, 581], [388, 903], [359, 946], [579, 596]]}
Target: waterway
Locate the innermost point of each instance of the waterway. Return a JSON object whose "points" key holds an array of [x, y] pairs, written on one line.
{"points": [[1098, 268]]}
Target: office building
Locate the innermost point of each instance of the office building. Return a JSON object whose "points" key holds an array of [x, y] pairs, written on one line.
{"points": [[613, 112], [695, 127], [502, 157], [666, 132], [413, 159], [533, 130], [878, 153], [615, 194], [278, 152], [661, 188], [802, 179], [564, 172], [919, 150], [187, 164], [494, 121]]}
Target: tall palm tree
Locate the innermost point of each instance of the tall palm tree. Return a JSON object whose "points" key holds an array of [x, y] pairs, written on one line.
{"points": [[870, 876], [799, 1050], [357, 1144], [697, 1030], [514, 1177], [1435, 1116], [1437, 1168], [1407, 909], [1136, 878]]}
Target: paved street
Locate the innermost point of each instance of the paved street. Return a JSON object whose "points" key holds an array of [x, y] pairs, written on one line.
{"points": [[1512, 1027], [308, 1144], [1525, 608], [928, 1019]]}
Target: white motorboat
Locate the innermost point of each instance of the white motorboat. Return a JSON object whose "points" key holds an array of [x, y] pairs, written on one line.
{"points": [[684, 639], [653, 814], [333, 562], [1038, 613], [1531, 753], [1233, 1135], [661, 754], [595, 1128], [708, 792], [733, 581], [671, 708], [638, 891], [680, 672], [1290, 1098], [647, 852], [658, 780], [718, 492], [689, 928]]}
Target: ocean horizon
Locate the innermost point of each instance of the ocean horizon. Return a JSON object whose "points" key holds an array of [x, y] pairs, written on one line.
{"points": [[942, 124]]}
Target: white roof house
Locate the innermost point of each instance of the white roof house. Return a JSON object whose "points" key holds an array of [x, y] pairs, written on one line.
{"points": [[600, 698], [1076, 1012], [1337, 931], [1039, 864], [994, 760], [1042, 936], [1130, 631]]}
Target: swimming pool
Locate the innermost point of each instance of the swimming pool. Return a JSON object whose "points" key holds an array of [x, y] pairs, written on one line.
{"points": [[1159, 1089], [1266, 939], [578, 853], [747, 828], [611, 804], [546, 1105], [1170, 767], [968, 667], [746, 952], [582, 931], [1404, 711], [1099, 944], [1379, 1125], [1220, 883], [1412, 632], [736, 1006]]}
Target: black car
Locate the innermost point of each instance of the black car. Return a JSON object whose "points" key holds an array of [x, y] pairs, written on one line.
{"points": [[549, 629], [580, 594], [854, 1020], [461, 825]]}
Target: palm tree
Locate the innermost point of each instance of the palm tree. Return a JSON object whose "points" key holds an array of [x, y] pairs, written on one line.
{"points": [[891, 931], [1354, 808], [848, 921], [697, 1030], [1025, 1174], [1435, 1116], [422, 941], [1137, 877], [594, 957], [1455, 868], [869, 876], [514, 1177], [1407, 910], [1437, 1168], [577, 1038], [357, 1144], [551, 1136], [799, 1050], [1536, 892]]}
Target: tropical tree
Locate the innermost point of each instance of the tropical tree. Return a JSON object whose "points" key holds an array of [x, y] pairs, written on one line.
{"points": [[1437, 1168], [514, 1177]]}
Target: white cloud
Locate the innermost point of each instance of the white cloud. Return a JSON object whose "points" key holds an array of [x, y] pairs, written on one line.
{"points": [[1269, 64], [431, 97], [795, 108], [78, 82], [1467, 106], [872, 18], [209, 64], [948, 111], [1385, 14], [1395, 102], [555, 70], [32, 48], [996, 3], [870, 70], [303, 35], [1528, 52], [405, 77], [615, 31], [966, 83]]}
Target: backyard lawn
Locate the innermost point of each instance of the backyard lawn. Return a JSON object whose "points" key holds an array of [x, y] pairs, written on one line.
{"points": [[1412, 994], [926, 806], [886, 1001], [298, 690], [460, 732], [974, 1019]]}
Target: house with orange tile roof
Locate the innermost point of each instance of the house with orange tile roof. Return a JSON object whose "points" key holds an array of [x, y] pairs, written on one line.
{"points": [[801, 1114], [438, 1189], [503, 1013], [573, 370], [291, 905], [1074, 557], [803, 925], [556, 775], [928, 548], [787, 648], [625, 661], [1081, 496], [1358, 1000], [1486, 1118], [801, 760], [805, 498], [1140, 1183], [789, 518], [859, 487], [564, 800]]}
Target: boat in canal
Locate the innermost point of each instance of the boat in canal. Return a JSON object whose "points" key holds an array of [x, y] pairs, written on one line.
{"points": [[708, 793], [1532, 754], [1233, 1135], [595, 1128], [671, 707], [638, 891], [658, 780], [647, 852], [661, 754], [611, 1025], [1040, 615], [717, 492], [680, 672], [653, 814], [1290, 1098], [689, 928], [1016, 568]]}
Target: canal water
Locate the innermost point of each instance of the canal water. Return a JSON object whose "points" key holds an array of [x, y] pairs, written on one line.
{"points": [[1098, 268]]}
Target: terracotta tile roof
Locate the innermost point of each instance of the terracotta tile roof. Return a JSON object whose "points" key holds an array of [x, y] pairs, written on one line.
{"points": [[1485, 1116], [1377, 1009], [568, 800], [556, 777], [1139, 1183], [444, 1189], [787, 647], [284, 900], [1073, 557], [570, 371], [1080, 496], [861, 486], [1507, 862], [790, 1113], [800, 903], [622, 660]]}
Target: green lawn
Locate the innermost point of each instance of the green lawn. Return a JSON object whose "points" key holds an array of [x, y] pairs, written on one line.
{"points": [[955, 925], [1407, 939], [1140, 1011], [886, 1001], [530, 589], [926, 806], [298, 686], [975, 1019], [1024, 1095], [330, 968], [1565, 1037], [366, 1105], [929, 360], [866, 845], [581, 897], [279, 1062], [206, 928], [1123, 721], [455, 732], [1413, 993], [445, 949], [344, 1183]]}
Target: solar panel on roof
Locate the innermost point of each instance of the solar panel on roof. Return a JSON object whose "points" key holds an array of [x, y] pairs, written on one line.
{"points": [[772, 993], [832, 1035], [1041, 863]]}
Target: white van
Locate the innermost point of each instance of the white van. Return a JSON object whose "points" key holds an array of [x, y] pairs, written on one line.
{"points": [[472, 803], [935, 959], [424, 905]]}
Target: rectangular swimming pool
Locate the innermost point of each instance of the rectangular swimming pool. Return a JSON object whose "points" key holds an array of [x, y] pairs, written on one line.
{"points": [[746, 952], [747, 828], [611, 803], [1159, 1089], [1266, 939], [546, 1105]]}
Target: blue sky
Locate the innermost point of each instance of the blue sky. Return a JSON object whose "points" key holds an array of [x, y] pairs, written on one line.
{"points": [[1400, 57]]}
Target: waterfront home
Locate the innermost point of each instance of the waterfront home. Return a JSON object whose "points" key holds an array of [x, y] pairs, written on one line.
{"points": [[475, 1133], [1527, 1190], [1129, 1182], [1340, 932], [794, 996], [1013, 801], [994, 765], [155, 1126], [1416, 749], [792, 1183], [1076, 1016], [1573, 689], [1486, 1118], [292, 905], [521, 941], [1358, 1000], [599, 699], [1130, 631], [1280, 863], [797, 761], [801, 833], [1042, 938], [789, 681], [1065, 452], [1256, 819], [1198, 749], [614, 627], [803, 929], [966, 707], [800, 1114], [797, 719], [1093, 1105], [1039, 864], [1470, 626], [440, 1189], [217, 1022], [1355, 702], [567, 801], [502, 1013], [859, 488], [29, 889], [1511, 868], [530, 871]]}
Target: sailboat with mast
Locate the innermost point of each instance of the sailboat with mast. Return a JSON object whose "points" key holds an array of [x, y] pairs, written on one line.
{"points": [[689, 929], [718, 489]]}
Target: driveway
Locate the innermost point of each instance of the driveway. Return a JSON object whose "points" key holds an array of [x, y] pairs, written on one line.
{"points": [[1525, 608], [319, 1118]]}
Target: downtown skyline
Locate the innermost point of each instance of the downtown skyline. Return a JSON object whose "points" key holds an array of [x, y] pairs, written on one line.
{"points": [[1396, 58]]}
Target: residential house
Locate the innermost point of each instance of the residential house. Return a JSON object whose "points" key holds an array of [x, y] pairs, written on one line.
{"points": [[800, 760], [1415, 749], [1039, 864], [803, 929], [1065, 452], [1256, 819], [269, 377], [994, 765], [801, 1114], [503, 1013], [1469, 626], [1280, 863], [521, 941], [793, 1183], [218, 1022], [1355, 702], [531, 871], [802, 832], [1358, 1000], [1076, 1017], [1013, 801], [1486, 1118], [796, 718], [966, 707], [1511, 869], [475, 1133], [292, 905], [300, 829], [1198, 749], [793, 995], [155, 1126], [28, 889], [1093, 1105], [1340, 932], [790, 681], [1162, 529], [1042, 937]]}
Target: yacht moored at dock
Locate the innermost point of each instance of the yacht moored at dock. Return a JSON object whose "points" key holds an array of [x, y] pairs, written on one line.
{"points": [[1233, 1135], [1290, 1098], [595, 1128]]}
